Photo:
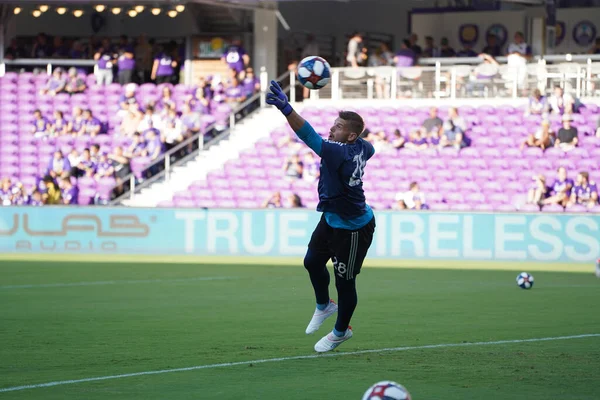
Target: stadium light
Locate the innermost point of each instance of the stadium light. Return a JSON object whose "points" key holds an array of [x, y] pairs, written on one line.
{"points": [[44, 8], [77, 13], [17, 10], [116, 11], [139, 9], [156, 11], [132, 13], [172, 13], [61, 10], [100, 8], [36, 13], [179, 8]]}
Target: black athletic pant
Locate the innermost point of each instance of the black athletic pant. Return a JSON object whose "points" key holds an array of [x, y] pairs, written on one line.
{"points": [[347, 250]]}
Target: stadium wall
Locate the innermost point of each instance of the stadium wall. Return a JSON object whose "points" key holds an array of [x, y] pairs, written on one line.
{"points": [[400, 235]]}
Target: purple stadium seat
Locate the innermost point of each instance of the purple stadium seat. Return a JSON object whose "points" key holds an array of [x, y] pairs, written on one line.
{"points": [[439, 207], [553, 208], [576, 208]]}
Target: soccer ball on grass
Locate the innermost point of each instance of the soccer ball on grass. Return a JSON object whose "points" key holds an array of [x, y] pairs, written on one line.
{"points": [[314, 72], [525, 281], [386, 390]]}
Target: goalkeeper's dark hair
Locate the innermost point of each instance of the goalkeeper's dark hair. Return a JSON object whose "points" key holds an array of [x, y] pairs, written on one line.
{"points": [[357, 125]]}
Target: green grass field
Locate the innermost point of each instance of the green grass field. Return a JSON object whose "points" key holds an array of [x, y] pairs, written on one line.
{"points": [[62, 321]]}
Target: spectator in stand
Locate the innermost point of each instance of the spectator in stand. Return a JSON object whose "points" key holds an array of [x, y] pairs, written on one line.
{"points": [[492, 48], [378, 140], [295, 201], [6, 192], [596, 47], [382, 57], [430, 49], [405, 57], [91, 125], [75, 125], [538, 104], [433, 137], [136, 148], [235, 57], [165, 101], [414, 199], [95, 153], [560, 191], [200, 100], [274, 201], [445, 49], [104, 169], [104, 57], [143, 58], [41, 125], [561, 102], [172, 133], [132, 121], [163, 68], [119, 162], [14, 50], [86, 165], [74, 159], [417, 140], [519, 48], [354, 49], [126, 61], [398, 141], [41, 48], [127, 99], [191, 121], [453, 130], [59, 166], [312, 169], [293, 167], [567, 135], [21, 197], [148, 120], [77, 52], [59, 124], [153, 146], [467, 51], [56, 84], [250, 83], [235, 92], [59, 49], [539, 192], [75, 84], [585, 192], [414, 38], [52, 193], [434, 122], [69, 192], [542, 138], [36, 199]]}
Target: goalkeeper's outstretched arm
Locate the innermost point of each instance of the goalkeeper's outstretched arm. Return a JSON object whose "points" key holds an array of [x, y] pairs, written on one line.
{"points": [[305, 132]]}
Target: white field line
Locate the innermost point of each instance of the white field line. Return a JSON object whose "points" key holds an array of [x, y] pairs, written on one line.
{"points": [[121, 282], [281, 359]]}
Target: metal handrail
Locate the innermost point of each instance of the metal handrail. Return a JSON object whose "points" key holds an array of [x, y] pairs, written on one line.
{"points": [[165, 157]]}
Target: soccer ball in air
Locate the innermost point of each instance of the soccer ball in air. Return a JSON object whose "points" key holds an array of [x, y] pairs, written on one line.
{"points": [[314, 72], [386, 390], [525, 281]]}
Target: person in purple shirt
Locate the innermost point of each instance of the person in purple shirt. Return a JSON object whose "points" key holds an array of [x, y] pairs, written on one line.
{"points": [[75, 84], [35, 200], [398, 140], [200, 100], [235, 56], [59, 165], [7, 192], [163, 68], [560, 191], [127, 99], [405, 57], [137, 147], [165, 101], [585, 192], [56, 84], [467, 51], [105, 168], [59, 124], [104, 57], [41, 126], [433, 137], [68, 191], [21, 197], [75, 126], [126, 61], [250, 83], [538, 104], [235, 92], [86, 166], [153, 146], [91, 124], [417, 140]]}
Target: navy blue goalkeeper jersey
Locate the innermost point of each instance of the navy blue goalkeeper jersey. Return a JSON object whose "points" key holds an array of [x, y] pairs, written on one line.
{"points": [[341, 195]]}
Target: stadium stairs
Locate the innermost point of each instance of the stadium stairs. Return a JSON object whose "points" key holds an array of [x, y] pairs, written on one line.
{"points": [[244, 136]]}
